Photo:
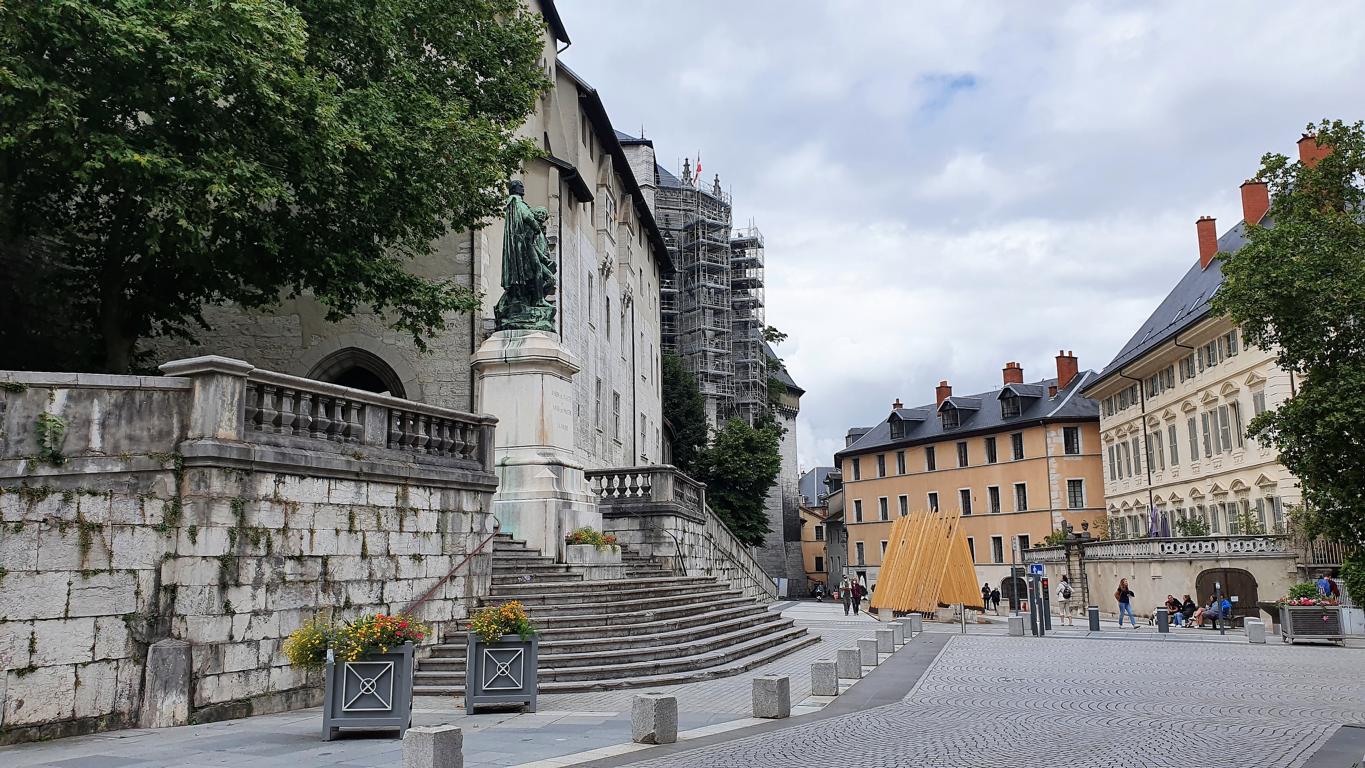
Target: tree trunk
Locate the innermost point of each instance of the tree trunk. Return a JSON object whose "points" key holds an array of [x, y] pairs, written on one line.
{"points": [[118, 343]]}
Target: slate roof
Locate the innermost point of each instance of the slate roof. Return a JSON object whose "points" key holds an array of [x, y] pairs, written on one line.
{"points": [[666, 178], [1186, 305], [811, 486], [1068, 405]]}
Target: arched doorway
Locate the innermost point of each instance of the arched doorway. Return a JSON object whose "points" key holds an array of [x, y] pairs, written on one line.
{"points": [[358, 369], [1236, 583], [1014, 591]]}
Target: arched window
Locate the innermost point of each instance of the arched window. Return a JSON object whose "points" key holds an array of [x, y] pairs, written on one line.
{"points": [[358, 369]]}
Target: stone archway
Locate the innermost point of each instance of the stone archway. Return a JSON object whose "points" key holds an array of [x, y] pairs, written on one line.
{"points": [[1235, 582], [358, 369]]}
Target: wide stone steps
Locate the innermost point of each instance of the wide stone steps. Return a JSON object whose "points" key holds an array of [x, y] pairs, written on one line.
{"points": [[453, 685], [627, 611], [581, 591]]}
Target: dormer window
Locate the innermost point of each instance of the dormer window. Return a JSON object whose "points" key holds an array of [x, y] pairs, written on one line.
{"points": [[897, 429], [1009, 406], [950, 417]]}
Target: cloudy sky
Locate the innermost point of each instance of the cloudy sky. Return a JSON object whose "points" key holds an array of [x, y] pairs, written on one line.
{"points": [[947, 186]]}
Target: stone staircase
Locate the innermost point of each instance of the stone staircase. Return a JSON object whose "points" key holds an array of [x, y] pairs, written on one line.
{"points": [[650, 628]]}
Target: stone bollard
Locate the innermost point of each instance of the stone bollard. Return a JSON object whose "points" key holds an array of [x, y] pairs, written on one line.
{"points": [[772, 697], [824, 678], [897, 633], [867, 651], [1255, 631], [654, 719], [166, 688], [848, 663], [885, 614], [916, 624], [1092, 613], [1016, 626], [440, 746], [886, 641]]}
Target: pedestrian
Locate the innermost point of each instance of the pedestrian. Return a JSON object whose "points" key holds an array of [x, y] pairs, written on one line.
{"points": [[985, 596], [1065, 603], [846, 593], [1125, 597], [858, 591], [995, 600], [1324, 585]]}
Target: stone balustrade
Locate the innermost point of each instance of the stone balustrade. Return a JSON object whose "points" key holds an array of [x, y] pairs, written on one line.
{"points": [[651, 488], [1189, 548]]}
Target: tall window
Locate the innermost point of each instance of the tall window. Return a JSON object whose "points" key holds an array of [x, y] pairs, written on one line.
{"points": [[1020, 497], [1024, 542], [933, 501], [591, 302], [1017, 444], [1258, 402], [1126, 463], [819, 533], [608, 317], [598, 416], [1009, 406], [1238, 429], [857, 470], [1137, 456], [993, 499], [881, 465], [900, 462], [964, 500], [1208, 434], [616, 416], [962, 453], [930, 463], [858, 549], [1151, 452], [997, 549], [1071, 440], [881, 509], [819, 564], [904, 502], [1170, 438], [1194, 439], [1075, 494], [883, 550], [971, 548], [990, 450], [857, 510]]}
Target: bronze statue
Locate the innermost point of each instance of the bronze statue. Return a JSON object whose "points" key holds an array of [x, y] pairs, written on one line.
{"points": [[528, 271]]}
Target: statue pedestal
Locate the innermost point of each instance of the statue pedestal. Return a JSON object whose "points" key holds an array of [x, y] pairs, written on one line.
{"points": [[525, 379]]}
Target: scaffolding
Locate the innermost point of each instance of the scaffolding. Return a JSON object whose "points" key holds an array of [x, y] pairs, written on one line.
{"points": [[746, 324]]}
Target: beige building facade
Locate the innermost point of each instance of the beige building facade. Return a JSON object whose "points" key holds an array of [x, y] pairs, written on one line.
{"points": [[1016, 463]]}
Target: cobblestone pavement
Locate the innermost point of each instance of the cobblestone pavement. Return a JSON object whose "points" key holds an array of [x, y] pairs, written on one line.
{"points": [[565, 723], [992, 701]]}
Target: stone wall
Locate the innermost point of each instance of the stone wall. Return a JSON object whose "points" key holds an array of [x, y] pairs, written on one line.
{"points": [[780, 554], [162, 511]]}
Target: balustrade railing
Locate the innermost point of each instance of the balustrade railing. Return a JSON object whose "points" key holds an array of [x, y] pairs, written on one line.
{"points": [[659, 484], [1195, 547], [1045, 555]]}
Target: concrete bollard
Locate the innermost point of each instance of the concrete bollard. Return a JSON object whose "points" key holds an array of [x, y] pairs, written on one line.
{"points": [[1016, 626], [654, 719], [824, 678], [867, 651], [886, 641], [848, 663], [440, 746], [916, 624], [1255, 631], [897, 633], [885, 614], [772, 697]]}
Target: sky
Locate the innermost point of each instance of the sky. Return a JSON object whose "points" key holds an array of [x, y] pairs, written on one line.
{"points": [[944, 187]]}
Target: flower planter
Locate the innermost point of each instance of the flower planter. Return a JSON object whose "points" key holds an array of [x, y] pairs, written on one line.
{"points": [[589, 554], [501, 672], [1311, 622], [373, 693]]}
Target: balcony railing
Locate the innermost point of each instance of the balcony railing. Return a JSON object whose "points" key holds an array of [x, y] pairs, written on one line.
{"points": [[1190, 548], [662, 486], [1045, 555]]}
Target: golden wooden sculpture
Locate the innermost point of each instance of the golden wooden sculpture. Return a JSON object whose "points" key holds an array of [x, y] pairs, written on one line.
{"points": [[927, 564]]}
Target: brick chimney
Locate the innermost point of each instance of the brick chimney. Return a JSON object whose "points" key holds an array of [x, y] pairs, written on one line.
{"points": [[1066, 368], [1255, 201], [1310, 151], [942, 392], [896, 406], [1208, 240], [1013, 374]]}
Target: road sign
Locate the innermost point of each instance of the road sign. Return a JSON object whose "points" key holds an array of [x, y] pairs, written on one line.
{"points": [[1035, 569]]}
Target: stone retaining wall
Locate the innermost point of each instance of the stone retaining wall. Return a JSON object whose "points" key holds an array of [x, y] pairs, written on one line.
{"points": [[157, 512]]}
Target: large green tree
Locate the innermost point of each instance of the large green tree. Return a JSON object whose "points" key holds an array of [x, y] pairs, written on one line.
{"points": [[157, 156], [739, 468], [686, 413], [1298, 286]]}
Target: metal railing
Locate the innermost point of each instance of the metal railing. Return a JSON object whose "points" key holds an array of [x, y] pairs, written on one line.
{"points": [[414, 605]]}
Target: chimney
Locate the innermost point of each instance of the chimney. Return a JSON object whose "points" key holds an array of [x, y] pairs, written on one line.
{"points": [[1066, 368], [942, 392], [896, 406], [1013, 374], [1208, 240], [1255, 201], [1310, 151]]}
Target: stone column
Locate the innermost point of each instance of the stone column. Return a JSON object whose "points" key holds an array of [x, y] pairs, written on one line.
{"points": [[524, 378]]}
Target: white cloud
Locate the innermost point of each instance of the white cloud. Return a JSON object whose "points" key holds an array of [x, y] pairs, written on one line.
{"points": [[945, 187]]}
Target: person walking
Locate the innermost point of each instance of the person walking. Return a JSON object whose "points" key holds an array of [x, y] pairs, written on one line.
{"points": [[1125, 597], [985, 596], [845, 592], [995, 601], [1065, 603], [857, 588]]}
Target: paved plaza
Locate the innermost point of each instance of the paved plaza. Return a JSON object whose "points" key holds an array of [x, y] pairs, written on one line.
{"points": [[1128, 698]]}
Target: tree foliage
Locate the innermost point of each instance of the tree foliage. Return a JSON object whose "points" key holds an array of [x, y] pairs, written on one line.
{"points": [[157, 156], [739, 468], [686, 413], [1298, 286]]}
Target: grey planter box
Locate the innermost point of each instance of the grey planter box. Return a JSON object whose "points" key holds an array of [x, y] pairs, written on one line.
{"points": [[501, 672], [1316, 622], [374, 693]]}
